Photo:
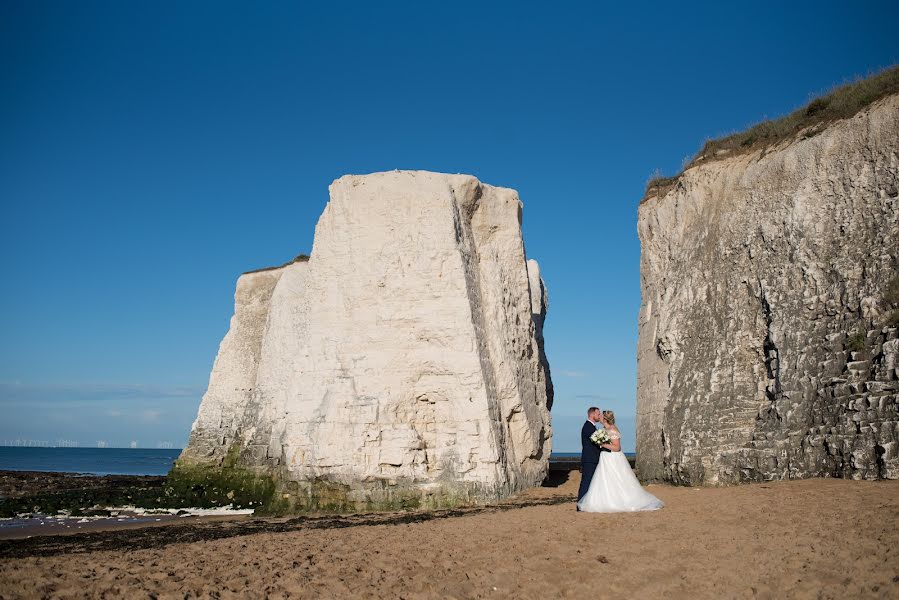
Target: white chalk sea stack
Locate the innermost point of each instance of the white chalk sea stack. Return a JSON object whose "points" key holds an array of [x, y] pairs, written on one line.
{"points": [[401, 365]]}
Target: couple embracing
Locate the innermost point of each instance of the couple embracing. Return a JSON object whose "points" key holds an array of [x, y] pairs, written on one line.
{"points": [[607, 482]]}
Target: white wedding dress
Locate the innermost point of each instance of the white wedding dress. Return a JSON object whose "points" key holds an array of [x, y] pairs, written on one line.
{"points": [[614, 487]]}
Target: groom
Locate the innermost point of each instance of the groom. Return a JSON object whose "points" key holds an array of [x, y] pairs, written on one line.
{"points": [[589, 451]]}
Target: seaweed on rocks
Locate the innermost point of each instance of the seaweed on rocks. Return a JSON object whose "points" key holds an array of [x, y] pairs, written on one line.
{"points": [[185, 533]]}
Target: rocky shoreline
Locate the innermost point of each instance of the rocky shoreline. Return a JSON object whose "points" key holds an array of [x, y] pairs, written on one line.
{"points": [[37, 494], [17, 484], [48, 493]]}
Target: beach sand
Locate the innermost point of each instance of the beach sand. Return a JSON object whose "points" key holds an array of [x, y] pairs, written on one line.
{"points": [[820, 538]]}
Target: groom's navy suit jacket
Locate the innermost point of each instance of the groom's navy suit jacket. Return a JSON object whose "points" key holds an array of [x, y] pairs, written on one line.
{"points": [[589, 457], [589, 450]]}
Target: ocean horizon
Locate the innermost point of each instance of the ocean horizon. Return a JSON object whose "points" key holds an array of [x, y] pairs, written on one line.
{"points": [[116, 461], [89, 461]]}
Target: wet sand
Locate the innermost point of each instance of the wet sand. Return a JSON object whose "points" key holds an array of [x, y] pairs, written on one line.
{"points": [[803, 539]]}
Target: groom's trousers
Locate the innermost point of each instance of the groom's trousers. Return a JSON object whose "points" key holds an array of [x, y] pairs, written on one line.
{"points": [[587, 471]]}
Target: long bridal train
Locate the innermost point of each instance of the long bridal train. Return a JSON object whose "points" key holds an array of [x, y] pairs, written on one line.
{"points": [[614, 488]]}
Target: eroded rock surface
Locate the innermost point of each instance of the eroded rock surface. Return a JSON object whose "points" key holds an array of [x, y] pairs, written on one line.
{"points": [[767, 334], [401, 365]]}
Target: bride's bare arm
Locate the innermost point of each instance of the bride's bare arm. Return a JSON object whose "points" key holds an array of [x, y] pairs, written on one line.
{"points": [[615, 445]]}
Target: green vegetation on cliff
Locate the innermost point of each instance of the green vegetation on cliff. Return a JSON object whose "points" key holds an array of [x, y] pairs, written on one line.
{"points": [[842, 103], [296, 259], [270, 493], [205, 486]]}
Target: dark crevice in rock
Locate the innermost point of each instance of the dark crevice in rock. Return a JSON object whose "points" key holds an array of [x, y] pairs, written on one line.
{"points": [[879, 451], [772, 357]]}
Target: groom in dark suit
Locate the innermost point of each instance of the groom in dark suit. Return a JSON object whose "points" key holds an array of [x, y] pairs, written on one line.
{"points": [[589, 451]]}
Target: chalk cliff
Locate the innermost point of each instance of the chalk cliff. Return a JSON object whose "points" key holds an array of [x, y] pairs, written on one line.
{"points": [[400, 365], [768, 327]]}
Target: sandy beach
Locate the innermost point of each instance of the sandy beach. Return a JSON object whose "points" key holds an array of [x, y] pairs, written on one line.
{"points": [[819, 538]]}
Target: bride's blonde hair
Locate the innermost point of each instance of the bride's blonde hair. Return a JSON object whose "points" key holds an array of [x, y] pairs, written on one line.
{"points": [[609, 416]]}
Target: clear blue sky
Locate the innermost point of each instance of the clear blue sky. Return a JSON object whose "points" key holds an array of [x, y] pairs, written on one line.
{"points": [[152, 151]]}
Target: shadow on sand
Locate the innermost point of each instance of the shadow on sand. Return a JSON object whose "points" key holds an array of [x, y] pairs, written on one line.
{"points": [[185, 533]]}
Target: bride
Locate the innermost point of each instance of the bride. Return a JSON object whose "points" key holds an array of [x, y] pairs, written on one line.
{"points": [[614, 487]]}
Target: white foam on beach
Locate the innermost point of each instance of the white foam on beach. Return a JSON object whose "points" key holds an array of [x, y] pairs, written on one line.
{"points": [[227, 510], [211, 512], [118, 514]]}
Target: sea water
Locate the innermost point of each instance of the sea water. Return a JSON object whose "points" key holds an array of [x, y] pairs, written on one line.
{"points": [[119, 461], [93, 461], [570, 455]]}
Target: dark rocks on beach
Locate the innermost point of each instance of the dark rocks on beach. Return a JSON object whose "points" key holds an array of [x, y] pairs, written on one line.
{"points": [[573, 463], [117, 539], [24, 492]]}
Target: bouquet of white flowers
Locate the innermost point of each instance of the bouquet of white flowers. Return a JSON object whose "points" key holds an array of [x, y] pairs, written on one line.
{"points": [[600, 437]]}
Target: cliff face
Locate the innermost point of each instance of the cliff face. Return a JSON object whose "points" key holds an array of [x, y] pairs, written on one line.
{"points": [[402, 365], [767, 343]]}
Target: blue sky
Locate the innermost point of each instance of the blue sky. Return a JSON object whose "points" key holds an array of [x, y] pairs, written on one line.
{"points": [[151, 152]]}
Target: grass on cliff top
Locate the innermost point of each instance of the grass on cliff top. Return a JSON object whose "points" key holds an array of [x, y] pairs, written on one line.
{"points": [[296, 259], [841, 103]]}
